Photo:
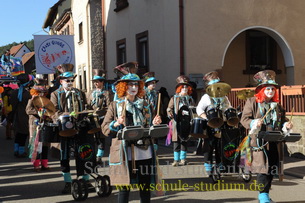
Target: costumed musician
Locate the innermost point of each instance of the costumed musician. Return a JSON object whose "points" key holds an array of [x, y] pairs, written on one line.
{"points": [[130, 161], [264, 113], [67, 101], [38, 155], [212, 142], [99, 99], [181, 115], [151, 96]]}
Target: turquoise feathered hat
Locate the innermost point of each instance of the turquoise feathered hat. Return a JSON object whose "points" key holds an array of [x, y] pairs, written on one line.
{"points": [[98, 74], [127, 71], [66, 71], [265, 78], [149, 76]]}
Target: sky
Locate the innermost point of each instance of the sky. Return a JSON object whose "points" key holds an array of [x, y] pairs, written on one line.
{"points": [[21, 19]]}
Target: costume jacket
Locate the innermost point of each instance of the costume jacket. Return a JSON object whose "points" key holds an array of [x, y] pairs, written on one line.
{"points": [[98, 100], [118, 159], [252, 111]]}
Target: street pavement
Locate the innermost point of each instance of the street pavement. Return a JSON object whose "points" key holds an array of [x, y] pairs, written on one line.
{"points": [[19, 183]]}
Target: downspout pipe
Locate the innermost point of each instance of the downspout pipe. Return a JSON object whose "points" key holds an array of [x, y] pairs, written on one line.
{"points": [[181, 36]]}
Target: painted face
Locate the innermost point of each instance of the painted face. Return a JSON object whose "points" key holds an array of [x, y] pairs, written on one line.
{"points": [[184, 90], [151, 85], [98, 84], [269, 91], [133, 88], [67, 83]]}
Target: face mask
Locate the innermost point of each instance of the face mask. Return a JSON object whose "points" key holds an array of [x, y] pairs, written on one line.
{"points": [[67, 86], [152, 86], [269, 92], [132, 90]]}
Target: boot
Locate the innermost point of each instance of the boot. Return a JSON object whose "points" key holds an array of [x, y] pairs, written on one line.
{"points": [[183, 161], [175, 163], [67, 188], [36, 165], [22, 153], [263, 197], [44, 165], [16, 149], [91, 188], [176, 159]]}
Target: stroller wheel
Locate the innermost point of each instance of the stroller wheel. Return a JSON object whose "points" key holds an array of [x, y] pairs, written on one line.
{"points": [[100, 186], [109, 188], [79, 190]]}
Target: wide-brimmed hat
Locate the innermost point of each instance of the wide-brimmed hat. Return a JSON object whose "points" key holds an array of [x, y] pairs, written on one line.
{"points": [[265, 78], [127, 71], [66, 71], [211, 78], [98, 74], [149, 77], [183, 80]]}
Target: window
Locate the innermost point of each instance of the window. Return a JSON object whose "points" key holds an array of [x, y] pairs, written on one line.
{"points": [[80, 32], [260, 52], [142, 52], [121, 51], [120, 5]]}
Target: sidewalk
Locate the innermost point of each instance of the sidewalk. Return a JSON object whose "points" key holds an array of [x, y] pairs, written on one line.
{"points": [[294, 167]]}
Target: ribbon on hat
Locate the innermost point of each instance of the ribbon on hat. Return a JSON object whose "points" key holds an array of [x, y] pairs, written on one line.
{"points": [[97, 77], [213, 81], [130, 76], [67, 74], [150, 79]]}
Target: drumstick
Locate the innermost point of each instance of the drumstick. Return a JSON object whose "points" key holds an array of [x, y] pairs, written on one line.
{"points": [[159, 101], [292, 110], [266, 113]]}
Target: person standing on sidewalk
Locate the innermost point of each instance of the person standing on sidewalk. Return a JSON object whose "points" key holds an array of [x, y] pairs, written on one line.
{"points": [[264, 113], [67, 101], [99, 100], [19, 100], [180, 114]]}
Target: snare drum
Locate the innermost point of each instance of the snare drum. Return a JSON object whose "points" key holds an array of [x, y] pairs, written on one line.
{"points": [[94, 124], [232, 117], [214, 117], [49, 133], [67, 126], [198, 127]]}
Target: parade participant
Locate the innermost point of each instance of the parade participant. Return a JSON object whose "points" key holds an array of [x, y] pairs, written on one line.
{"points": [[180, 114], [6, 111], [67, 101], [212, 142], [39, 89], [5, 61], [151, 96], [130, 162], [19, 100], [263, 113], [98, 100]]}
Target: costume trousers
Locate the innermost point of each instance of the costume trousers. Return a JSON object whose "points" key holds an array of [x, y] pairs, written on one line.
{"points": [[180, 145], [65, 149], [266, 179], [20, 138], [211, 144], [143, 177], [44, 153]]}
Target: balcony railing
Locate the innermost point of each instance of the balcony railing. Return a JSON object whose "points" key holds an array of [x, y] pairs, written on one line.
{"points": [[291, 97]]}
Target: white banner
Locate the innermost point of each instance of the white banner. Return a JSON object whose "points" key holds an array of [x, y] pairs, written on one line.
{"points": [[52, 50]]}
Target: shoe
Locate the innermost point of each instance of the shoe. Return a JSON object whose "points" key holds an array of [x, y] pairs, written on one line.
{"points": [[183, 162], [45, 168], [175, 163], [99, 160], [67, 189], [36, 169]]}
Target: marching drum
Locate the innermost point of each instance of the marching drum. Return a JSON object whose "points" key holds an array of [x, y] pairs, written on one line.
{"points": [[198, 127], [67, 126], [49, 133], [214, 117], [232, 117], [94, 124]]}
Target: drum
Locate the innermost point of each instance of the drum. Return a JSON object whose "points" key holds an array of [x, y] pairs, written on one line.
{"points": [[232, 117], [198, 127], [49, 133], [94, 124], [214, 117], [67, 126]]}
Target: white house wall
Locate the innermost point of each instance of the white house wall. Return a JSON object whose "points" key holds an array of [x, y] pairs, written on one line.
{"points": [[22, 51], [161, 19]]}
